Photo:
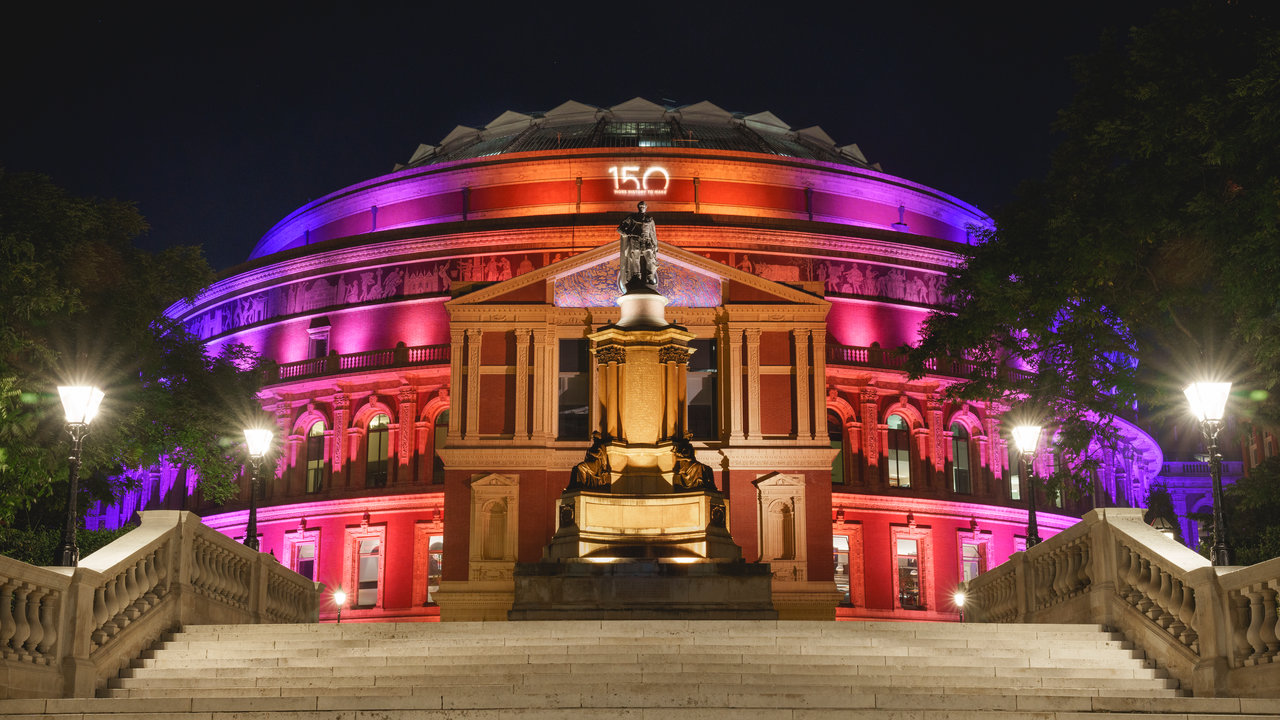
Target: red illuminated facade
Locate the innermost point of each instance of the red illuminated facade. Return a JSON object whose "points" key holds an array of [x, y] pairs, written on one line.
{"points": [[435, 383]]}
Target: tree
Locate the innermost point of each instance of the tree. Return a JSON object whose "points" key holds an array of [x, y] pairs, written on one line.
{"points": [[1150, 253], [80, 302]]}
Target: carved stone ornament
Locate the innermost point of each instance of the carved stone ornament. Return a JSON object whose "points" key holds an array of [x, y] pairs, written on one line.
{"points": [[566, 515], [717, 515], [673, 353], [611, 354], [593, 472]]}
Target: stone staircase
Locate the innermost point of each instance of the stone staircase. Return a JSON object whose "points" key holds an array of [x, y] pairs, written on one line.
{"points": [[735, 670]]}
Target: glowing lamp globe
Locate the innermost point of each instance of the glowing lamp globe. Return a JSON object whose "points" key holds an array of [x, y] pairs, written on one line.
{"points": [[259, 441], [1208, 399], [339, 598], [1027, 438], [80, 403]]}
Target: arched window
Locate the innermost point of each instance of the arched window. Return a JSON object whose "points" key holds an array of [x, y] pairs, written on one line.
{"points": [[439, 435], [960, 459], [375, 459], [315, 457], [899, 449], [835, 433]]}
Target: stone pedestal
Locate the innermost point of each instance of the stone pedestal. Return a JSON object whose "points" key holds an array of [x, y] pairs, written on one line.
{"points": [[642, 590], [679, 526], [642, 531]]}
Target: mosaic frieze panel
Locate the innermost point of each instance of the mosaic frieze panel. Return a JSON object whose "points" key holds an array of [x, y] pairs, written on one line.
{"points": [[843, 277], [359, 286], [597, 286], [593, 287]]}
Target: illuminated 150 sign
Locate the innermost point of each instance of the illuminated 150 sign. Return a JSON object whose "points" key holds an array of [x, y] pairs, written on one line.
{"points": [[628, 181]]}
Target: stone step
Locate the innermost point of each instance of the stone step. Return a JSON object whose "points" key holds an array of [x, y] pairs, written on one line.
{"points": [[622, 698]]}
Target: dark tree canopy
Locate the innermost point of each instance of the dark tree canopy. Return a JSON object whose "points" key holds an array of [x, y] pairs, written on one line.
{"points": [[1150, 254], [80, 303]]}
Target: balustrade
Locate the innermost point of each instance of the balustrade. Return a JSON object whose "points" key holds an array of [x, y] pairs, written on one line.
{"points": [[132, 593], [1204, 624]]}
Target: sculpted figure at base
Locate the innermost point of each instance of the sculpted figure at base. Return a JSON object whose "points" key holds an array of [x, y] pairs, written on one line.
{"points": [[689, 473], [638, 238], [593, 472]]}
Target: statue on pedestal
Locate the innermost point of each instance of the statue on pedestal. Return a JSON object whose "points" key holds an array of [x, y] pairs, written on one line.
{"points": [[593, 472], [638, 238], [689, 473]]}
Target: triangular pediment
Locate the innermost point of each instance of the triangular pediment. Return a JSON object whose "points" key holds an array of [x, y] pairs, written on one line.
{"points": [[590, 280]]}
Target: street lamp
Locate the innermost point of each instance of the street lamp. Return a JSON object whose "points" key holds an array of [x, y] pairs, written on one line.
{"points": [[1208, 402], [339, 599], [80, 404], [1027, 438], [258, 442], [959, 599]]}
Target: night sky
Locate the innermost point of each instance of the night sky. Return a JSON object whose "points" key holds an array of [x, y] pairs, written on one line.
{"points": [[220, 119]]}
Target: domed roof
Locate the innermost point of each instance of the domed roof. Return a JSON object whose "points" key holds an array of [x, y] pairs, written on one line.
{"points": [[637, 123]]}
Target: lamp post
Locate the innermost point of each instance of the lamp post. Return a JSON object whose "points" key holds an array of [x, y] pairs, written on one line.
{"points": [[80, 405], [1208, 403], [258, 442], [339, 599], [1027, 438]]}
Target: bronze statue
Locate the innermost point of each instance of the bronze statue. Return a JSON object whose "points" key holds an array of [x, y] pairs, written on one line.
{"points": [[689, 473], [638, 256], [593, 472]]}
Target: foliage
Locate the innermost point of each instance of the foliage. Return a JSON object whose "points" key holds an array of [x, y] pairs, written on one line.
{"points": [[39, 546], [1252, 505], [1150, 251], [81, 303]]}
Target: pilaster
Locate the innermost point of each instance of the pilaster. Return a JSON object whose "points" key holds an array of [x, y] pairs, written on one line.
{"points": [[819, 336], [408, 398], [341, 416], [522, 383], [457, 350], [804, 399], [753, 383], [474, 336], [735, 375]]}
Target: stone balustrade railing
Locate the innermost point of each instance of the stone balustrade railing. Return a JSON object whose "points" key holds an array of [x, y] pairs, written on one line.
{"points": [[65, 631], [1214, 629]]}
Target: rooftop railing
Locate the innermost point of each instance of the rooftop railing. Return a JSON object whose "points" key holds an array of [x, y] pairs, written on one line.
{"points": [[894, 359]]}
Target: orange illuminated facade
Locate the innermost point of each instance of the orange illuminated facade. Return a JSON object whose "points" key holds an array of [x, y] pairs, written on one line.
{"points": [[434, 382]]}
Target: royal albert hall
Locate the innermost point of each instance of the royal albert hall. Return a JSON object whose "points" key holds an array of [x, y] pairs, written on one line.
{"points": [[435, 384]]}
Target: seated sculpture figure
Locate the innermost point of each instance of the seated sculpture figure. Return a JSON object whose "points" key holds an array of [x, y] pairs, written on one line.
{"points": [[690, 474], [593, 472]]}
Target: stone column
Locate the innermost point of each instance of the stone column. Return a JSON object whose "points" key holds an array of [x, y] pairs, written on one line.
{"points": [[288, 463], [804, 399], [734, 374], [341, 412], [474, 337], [871, 432], [607, 361], [522, 383], [937, 440], [408, 418], [819, 382], [753, 383]]}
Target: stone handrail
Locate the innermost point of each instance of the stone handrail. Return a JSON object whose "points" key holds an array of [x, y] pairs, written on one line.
{"points": [[66, 631], [1214, 629]]}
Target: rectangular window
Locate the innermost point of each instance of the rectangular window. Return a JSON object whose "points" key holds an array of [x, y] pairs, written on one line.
{"points": [[304, 560], [435, 565], [315, 458], [702, 390], [1015, 474], [840, 556], [574, 390], [908, 561], [971, 560], [367, 578]]}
